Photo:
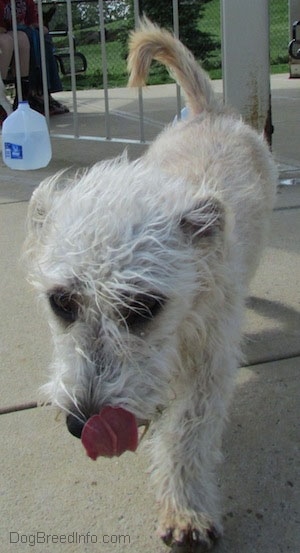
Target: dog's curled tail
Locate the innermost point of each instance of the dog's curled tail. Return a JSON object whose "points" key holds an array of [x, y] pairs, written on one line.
{"points": [[150, 42]]}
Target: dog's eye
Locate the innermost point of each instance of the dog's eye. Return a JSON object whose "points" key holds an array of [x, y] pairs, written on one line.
{"points": [[142, 308], [64, 305]]}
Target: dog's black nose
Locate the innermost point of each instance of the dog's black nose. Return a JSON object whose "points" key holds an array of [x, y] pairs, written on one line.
{"points": [[75, 425]]}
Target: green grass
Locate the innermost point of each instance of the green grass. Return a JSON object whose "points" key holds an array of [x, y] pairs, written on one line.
{"points": [[211, 22], [279, 33], [93, 78]]}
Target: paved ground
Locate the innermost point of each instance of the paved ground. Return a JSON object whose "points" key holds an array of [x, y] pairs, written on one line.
{"points": [[48, 485]]}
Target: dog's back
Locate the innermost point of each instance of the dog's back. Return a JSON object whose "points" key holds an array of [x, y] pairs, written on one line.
{"points": [[214, 150]]}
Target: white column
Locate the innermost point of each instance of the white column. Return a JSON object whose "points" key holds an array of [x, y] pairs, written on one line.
{"points": [[245, 58]]}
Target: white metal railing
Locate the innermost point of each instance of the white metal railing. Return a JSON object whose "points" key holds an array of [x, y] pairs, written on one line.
{"points": [[107, 136], [250, 97]]}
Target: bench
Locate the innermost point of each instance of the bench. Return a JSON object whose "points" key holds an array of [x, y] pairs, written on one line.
{"points": [[63, 58]]}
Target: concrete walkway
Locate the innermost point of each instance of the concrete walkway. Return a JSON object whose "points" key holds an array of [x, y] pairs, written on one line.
{"points": [[48, 485]]}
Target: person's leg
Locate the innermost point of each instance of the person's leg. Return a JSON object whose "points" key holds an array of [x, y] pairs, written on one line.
{"points": [[54, 82], [6, 52], [24, 53], [7, 48], [24, 58]]}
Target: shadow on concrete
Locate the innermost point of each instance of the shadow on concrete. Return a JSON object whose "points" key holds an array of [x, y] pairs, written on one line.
{"points": [[258, 476], [269, 343]]}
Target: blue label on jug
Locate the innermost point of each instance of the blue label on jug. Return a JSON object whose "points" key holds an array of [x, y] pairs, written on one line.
{"points": [[13, 151]]}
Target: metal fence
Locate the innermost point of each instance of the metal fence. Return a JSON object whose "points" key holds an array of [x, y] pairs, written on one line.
{"points": [[90, 42], [119, 20]]}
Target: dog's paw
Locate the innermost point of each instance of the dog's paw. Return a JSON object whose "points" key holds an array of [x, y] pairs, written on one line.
{"points": [[189, 534]]}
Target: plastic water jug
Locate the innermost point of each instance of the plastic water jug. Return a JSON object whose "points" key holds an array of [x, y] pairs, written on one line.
{"points": [[184, 115], [25, 139]]}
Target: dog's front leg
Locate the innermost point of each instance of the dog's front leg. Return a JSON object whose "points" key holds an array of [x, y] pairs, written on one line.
{"points": [[185, 449]]}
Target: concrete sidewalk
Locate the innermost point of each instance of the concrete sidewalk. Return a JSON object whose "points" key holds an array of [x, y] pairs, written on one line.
{"points": [[48, 485]]}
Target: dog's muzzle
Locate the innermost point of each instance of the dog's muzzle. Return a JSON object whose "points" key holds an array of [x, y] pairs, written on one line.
{"points": [[108, 433]]}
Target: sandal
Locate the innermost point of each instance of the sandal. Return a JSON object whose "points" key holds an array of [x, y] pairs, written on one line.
{"points": [[57, 104], [55, 110], [37, 103]]}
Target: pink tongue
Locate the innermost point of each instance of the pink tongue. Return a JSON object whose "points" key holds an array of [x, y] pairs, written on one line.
{"points": [[110, 433]]}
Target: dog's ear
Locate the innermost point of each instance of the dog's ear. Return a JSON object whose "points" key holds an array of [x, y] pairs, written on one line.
{"points": [[39, 213], [43, 198], [38, 209], [205, 220]]}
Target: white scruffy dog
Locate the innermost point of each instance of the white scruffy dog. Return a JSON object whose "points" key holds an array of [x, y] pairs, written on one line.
{"points": [[144, 267]]}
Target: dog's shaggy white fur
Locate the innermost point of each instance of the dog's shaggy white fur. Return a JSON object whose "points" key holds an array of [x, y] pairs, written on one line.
{"points": [[144, 266]]}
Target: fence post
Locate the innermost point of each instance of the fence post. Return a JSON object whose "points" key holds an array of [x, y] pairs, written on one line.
{"points": [[245, 59], [16, 50]]}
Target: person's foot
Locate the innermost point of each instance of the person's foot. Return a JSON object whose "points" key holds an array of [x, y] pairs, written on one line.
{"points": [[55, 108], [3, 115], [37, 104], [57, 104]]}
